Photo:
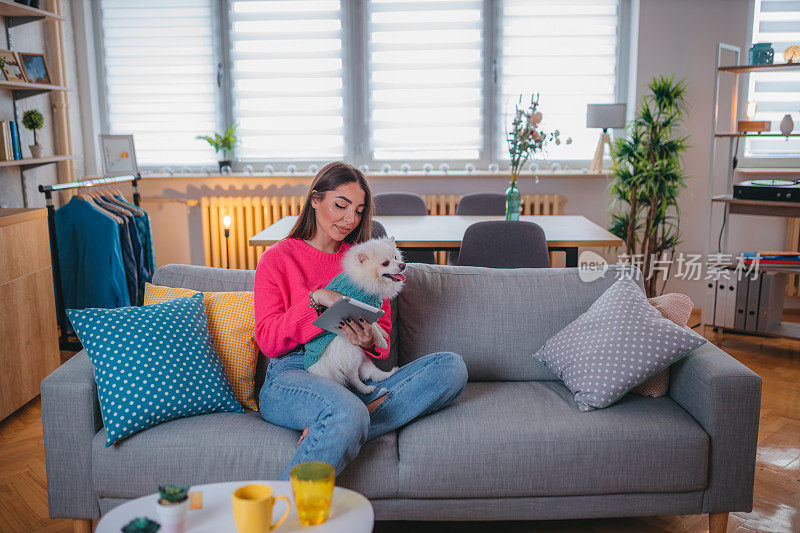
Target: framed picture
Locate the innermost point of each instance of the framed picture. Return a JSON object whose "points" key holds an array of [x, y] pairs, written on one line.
{"points": [[119, 156], [12, 70], [35, 67]]}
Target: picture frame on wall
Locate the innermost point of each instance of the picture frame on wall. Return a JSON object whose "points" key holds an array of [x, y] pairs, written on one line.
{"points": [[119, 155], [12, 69], [35, 67]]}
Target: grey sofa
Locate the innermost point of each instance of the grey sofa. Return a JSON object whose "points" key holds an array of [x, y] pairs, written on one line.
{"points": [[512, 446]]}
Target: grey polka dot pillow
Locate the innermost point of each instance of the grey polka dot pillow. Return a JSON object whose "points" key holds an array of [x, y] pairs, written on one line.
{"points": [[618, 343]]}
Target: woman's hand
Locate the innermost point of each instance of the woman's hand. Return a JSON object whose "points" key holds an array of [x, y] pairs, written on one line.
{"points": [[358, 332], [326, 297]]}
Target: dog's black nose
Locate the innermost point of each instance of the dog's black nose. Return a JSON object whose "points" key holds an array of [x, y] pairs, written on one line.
{"points": [[402, 266]]}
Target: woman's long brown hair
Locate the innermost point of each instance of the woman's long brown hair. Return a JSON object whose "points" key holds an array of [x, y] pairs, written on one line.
{"points": [[330, 177]]}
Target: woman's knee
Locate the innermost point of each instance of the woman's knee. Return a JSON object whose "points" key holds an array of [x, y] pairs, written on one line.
{"points": [[349, 421], [455, 375]]}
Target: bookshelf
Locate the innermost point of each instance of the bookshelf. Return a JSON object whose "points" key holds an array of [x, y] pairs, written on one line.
{"points": [[717, 239], [15, 15]]}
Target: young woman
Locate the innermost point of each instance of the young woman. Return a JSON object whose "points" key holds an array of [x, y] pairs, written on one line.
{"points": [[289, 282]]}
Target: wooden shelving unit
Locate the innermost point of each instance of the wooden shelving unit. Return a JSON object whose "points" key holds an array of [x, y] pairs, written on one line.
{"points": [[16, 15], [737, 206], [32, 162]]}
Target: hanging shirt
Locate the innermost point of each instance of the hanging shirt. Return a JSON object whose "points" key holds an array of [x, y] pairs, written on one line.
{"points": [[90, 257], [136, 243], [145, 235], [128, 256]]}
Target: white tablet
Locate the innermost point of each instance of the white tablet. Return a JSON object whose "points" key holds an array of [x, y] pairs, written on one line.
{"points": [[344, 308]]}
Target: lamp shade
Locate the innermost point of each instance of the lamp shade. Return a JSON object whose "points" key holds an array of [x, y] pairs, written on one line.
{"points": [[605, 116]]}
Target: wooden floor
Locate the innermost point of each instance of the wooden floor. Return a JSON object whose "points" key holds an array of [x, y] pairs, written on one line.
{"points": [[23, 488]]}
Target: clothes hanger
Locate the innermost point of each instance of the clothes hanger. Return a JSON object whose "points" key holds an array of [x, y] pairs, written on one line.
{"points": [[94, 195], [111, 198]]}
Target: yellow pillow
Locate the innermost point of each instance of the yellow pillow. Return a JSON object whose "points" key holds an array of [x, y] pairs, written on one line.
{"points": [[231, 324]]}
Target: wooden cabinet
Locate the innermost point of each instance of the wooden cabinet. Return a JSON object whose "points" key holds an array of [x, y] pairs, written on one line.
{"points": [[28, 330]]}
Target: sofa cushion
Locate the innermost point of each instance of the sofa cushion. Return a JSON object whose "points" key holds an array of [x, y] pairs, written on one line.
{"points": [[153, 364], [618, 343], [493, 318], [230, 323], [527, 439], [224, 447]]}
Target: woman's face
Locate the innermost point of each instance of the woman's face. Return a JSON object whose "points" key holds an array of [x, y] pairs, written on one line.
{"points": [[340, 210]]}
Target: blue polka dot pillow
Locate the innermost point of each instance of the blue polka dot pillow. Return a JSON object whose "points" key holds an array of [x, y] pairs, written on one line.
{"points": [[618, 343], [152, 364]]}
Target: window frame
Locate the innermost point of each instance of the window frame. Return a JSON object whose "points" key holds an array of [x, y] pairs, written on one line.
{"points": [[355, 84], [752, 163]]}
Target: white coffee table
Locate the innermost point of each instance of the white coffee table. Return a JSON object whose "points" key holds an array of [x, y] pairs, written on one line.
{"points": [[350, 513]]}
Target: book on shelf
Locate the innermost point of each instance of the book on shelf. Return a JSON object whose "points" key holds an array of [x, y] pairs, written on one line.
{"points": [[6, 153], [787, 258], [16, 148]]}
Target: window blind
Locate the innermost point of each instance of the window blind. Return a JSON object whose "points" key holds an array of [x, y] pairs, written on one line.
{"points": [[160, 78], [287, 78], [567, 52], [424, 79], [776, 93]]}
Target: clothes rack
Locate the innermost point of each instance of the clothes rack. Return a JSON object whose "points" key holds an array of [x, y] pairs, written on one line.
{"points": [[61, 315]]}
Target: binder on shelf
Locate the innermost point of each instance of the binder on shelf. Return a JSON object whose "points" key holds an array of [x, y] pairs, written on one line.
{"points": [[770, 301], [709, 302], [5, 137], [753, 291], [741, 302], [730, 302], [16, 148]]}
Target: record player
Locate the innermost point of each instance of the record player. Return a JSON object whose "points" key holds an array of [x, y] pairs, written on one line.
{"points": [[769, 190]]}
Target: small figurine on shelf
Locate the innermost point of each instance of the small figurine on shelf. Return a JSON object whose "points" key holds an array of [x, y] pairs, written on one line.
{"points": [[33, 120]]}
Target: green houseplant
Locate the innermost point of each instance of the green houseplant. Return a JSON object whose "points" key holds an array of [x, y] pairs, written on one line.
{"points": [[223, 143], [34, 120], [173, 506], [647, 178], [141, 525], [525, 138]]}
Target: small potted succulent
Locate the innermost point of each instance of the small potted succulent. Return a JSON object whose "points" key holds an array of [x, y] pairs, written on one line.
{"points": [[173, 505], [224, 143], [33, 120], [141, 525]]}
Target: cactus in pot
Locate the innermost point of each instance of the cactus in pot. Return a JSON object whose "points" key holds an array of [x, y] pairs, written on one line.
{"points": [[173, 505]]}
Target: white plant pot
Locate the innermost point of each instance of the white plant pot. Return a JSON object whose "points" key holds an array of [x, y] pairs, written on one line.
{"points": [[36, 150], [173, 517]]}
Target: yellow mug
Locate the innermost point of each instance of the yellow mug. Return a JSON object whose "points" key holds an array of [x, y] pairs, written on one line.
{"points": [[252, 508]]}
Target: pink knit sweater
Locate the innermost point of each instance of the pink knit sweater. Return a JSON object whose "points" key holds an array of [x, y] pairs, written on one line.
{"points": [[286, 273]]}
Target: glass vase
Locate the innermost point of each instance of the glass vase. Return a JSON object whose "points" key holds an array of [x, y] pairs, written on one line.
{"points": [[512, 202]]}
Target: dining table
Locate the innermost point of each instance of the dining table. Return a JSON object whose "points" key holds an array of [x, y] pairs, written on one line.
{"points": [[566, 233]]}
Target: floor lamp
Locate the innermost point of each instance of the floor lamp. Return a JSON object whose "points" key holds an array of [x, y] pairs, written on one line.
{"points": [[604, 116]]}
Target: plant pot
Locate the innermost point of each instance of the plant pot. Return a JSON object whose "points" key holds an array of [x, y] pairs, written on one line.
{"points": [[226, 162], [36, 150], [172, 517], [787, 125]]}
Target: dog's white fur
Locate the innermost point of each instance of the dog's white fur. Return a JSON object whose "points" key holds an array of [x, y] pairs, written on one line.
{"points": [[369, 265]]}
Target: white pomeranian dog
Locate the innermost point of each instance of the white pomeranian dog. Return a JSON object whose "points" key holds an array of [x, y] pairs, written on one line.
{"points": [[376, 266]]}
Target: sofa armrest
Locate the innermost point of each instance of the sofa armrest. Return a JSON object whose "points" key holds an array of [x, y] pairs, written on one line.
{"points": [[70, 419], [724, 396]]}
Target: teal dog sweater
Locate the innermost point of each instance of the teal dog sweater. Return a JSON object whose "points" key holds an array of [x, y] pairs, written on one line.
{"points": [[344, 285]]}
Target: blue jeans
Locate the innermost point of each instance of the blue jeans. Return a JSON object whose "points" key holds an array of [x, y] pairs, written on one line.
{"points": [[338, 420]]}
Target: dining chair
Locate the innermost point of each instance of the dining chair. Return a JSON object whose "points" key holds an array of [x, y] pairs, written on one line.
{"points": [[478, 203], [405, 203], [504, 244]]}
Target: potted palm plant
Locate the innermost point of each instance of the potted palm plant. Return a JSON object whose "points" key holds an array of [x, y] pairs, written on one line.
{"points": [[33, 120], [223, 143], [647, 178]]}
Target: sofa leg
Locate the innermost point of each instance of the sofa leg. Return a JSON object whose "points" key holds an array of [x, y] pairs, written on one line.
{"points": [[82, 525], [717, 522]]}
